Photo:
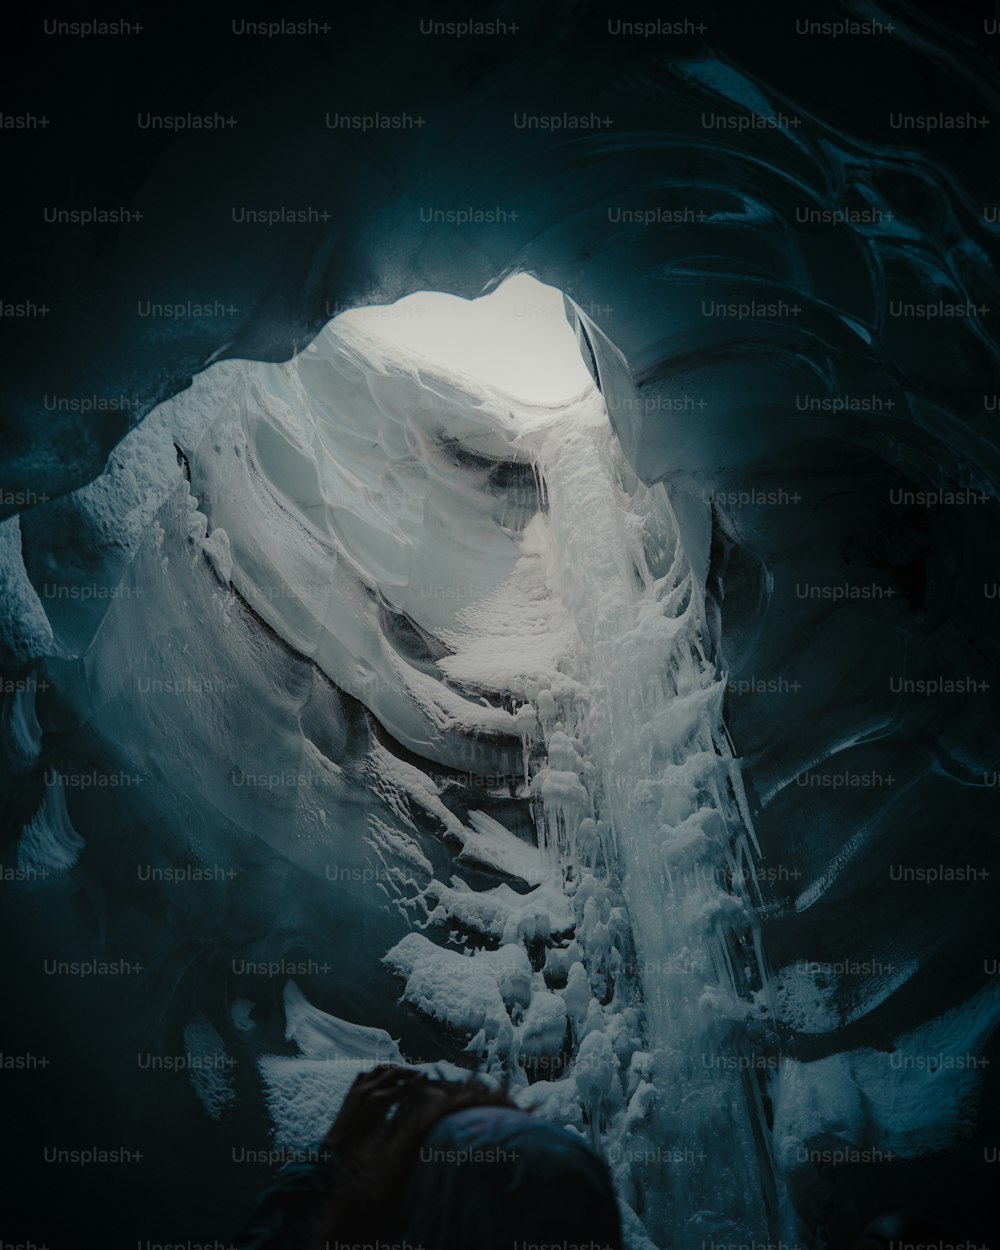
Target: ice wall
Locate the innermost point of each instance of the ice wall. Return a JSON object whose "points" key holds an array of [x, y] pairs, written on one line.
{"points": [[577, 625], [403, 654]]}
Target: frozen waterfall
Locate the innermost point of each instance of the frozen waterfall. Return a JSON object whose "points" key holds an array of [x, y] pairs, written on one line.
{"points": [[487, 575]]}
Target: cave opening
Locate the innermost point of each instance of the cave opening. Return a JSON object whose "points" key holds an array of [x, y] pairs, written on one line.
{"points": [[518, 338]]}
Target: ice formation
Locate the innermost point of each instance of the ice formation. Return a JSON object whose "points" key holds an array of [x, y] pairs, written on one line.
{"points": [[553, 617], [425, 664]]}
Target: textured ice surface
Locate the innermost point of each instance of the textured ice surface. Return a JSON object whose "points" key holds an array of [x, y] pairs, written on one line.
{"points": [[49, 843], [549, 611], [209, 1066], [426, 666]]}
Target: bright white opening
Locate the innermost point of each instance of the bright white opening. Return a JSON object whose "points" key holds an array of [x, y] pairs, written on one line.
{"points": [[517, 338]]}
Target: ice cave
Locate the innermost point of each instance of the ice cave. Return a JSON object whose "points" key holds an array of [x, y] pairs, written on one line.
{"points": [[551, 638]]}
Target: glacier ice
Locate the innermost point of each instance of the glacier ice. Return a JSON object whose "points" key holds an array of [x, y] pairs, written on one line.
{"points": [[427, 669]]}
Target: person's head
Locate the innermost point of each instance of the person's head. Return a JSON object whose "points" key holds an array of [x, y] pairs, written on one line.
{"points": [[446, 1165]]}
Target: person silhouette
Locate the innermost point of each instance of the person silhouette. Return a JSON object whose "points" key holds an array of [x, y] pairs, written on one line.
{"points": [[417, 1162]]}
